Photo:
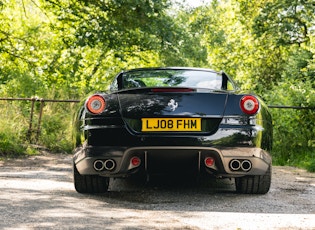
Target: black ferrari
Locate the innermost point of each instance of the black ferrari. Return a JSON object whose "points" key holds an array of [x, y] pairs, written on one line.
{"points": [[173, 121]]}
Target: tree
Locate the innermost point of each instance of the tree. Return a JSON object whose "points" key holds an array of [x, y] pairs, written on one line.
{"points": [[289, 25], [289, 22], [231, 46]]}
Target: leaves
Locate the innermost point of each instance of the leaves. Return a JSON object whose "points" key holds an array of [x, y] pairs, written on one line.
{"points": [[289, 22], [64, 49]]}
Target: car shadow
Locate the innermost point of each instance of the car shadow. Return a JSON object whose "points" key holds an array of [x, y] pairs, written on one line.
{"points": [[167, 189]]}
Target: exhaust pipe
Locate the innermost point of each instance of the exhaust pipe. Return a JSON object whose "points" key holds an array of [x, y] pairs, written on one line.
{"points": [[98, 165], [109, 164], [246, 165], [235, 165]]}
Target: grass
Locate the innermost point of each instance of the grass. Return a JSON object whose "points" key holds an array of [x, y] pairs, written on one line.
{"points": [[301, 158]]}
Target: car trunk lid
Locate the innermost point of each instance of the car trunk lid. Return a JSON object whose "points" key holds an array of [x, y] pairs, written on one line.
{"points": [[172, 109]]}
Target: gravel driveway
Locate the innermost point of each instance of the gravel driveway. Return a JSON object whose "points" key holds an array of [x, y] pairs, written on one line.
{"points": [[38, 193]]}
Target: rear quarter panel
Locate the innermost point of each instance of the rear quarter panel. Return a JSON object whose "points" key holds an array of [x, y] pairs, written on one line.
{"points": [[260, 123]]}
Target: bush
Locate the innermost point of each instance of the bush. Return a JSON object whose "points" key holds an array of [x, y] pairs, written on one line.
{"points": [[54, 131], [57, 126], [294, 130], [11, 142]]}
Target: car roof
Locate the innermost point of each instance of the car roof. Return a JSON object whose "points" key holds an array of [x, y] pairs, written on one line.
{"points": [[172, 68]]}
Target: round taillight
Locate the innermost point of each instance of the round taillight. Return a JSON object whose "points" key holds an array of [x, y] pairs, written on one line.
{"points": [[249, 104], [135, 161], [96, 104], [209, 161]]}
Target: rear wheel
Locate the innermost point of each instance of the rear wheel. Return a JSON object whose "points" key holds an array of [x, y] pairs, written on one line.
{"points": [[89, 183], [254, 184]]}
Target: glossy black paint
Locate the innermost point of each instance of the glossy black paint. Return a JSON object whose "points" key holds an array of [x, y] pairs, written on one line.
{"points": [[116, 132]]}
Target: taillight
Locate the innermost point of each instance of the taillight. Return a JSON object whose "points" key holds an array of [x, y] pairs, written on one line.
{"points": [[96, 104], [249, 104]]}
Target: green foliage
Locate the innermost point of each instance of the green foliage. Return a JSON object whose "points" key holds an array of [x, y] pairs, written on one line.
{"points": [[9, 144], [56, 130], [66, 49], [12, 129], [294, 130], [288, 22]]}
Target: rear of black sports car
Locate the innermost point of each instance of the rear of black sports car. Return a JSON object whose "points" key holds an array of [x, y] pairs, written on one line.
{"points": [[173, 121]]}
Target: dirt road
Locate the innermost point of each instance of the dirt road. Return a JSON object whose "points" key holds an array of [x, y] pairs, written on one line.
{"points": [[38, 193]]}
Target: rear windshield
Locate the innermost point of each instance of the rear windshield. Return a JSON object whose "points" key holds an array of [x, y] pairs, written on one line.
{"points": [[175, 78]]}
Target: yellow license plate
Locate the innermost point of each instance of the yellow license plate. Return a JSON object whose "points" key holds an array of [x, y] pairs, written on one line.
{"points": [[171, 124]]}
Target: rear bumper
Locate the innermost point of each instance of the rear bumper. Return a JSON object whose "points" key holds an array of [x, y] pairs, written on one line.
{"points": [[172, 159]]}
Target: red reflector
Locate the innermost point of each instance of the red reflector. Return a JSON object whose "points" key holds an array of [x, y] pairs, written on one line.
{"points": [[172, 90], [96, 104], [135, 161], [209, 161], [249, 104]]}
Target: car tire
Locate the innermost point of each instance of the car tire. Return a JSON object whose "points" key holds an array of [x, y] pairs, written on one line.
{"points": [[258, 184], [89, 183]]}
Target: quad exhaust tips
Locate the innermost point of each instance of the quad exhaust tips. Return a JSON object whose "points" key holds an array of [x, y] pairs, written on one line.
{"points": [[240, 165], [108, 164]]}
